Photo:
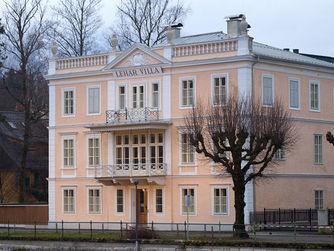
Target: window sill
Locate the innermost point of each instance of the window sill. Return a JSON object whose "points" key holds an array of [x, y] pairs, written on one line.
{"points": [[294, 109], [222, 214], [188, 165], [314, 110], [318, 164], [68, 168], [186, 107], [68, 116], [94, 114]]}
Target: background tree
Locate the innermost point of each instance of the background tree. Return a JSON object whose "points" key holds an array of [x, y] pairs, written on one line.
{"points": [[145, 21], [25, 30], [242, 137], [78, 22], [2, 44], [330, 137]]}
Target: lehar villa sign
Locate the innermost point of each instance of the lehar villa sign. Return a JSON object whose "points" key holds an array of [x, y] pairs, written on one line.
{"points": [[135, 72]]}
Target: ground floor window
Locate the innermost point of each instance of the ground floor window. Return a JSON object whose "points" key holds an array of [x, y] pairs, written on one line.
{"points": [[69, 200], [120, 201], [191, 208], [94, 201], [158, 201], [220, 200], [319, 199]]}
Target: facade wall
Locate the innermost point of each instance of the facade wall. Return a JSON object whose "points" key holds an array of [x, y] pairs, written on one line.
{"points": [[242, 76]]}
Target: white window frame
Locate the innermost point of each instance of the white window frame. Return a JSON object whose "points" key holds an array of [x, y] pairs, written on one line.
{"points": [[87, 95], [319, 152], [62, 102], [193, 78], [93, 136], [219, 75], [280, 154], [124, 206], [155, 201], [180, 152], [74, 200], [100, 200], [320, 204], [213, 213], [272, 90], [143, 83], [318, 84], [159, 94], [68, 137], [298, 84], [194, 200], [117, 96]]}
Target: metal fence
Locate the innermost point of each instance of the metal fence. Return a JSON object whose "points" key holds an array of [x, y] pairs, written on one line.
{"points": [[289, 216]]}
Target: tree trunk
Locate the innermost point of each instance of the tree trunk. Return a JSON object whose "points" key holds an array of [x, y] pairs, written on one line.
{"points": [[239, 205]]}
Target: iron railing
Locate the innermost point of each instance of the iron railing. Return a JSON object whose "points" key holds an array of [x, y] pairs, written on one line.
{"points": [[132, 115], [131, 170]]}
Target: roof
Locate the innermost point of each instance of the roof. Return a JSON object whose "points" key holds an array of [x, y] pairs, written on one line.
{"points": [[276, 53], [259, 49], [324, 58]]}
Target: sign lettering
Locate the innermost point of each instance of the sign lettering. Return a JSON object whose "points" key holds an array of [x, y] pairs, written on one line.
{"points": [[143, 71]]}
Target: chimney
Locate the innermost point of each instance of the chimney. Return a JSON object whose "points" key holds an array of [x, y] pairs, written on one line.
{"points": [[233, 25], [173, 31], [286, 49], [296, 51]]}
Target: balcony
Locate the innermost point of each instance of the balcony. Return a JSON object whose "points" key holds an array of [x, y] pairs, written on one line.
{"points": [[132, 115], [127, 173]]}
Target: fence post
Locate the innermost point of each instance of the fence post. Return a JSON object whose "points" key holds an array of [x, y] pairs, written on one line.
{"points": [[204, 230], [62, 229], [56, 227], [264, 216], [177, 228], [294, 215], [152, 230], [102, 227], [35, 229], [279, 216], [294, 231], [79, 227], [121, 228], [185, 230], [212, 232], [219, 227], [91, 230], [8, 228], [329, 216]]}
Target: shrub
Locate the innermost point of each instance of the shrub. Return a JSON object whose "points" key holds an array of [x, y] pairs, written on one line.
{"points": [[143, 233]]}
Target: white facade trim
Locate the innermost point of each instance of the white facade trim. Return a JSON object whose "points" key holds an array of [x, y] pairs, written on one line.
{"points": [[52, 200], [166, 98], [87, 100], [245, 87], [168, 150], [52, 153], [52, 106]]}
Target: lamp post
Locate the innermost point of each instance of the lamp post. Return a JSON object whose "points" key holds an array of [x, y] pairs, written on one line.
{"points": [[137, 244]]}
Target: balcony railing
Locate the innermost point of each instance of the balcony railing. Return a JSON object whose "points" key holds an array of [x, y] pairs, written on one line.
{"points": [[132, 115], [131, 170]]}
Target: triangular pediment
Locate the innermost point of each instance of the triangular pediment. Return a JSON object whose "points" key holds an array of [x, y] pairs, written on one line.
{"points": [[135, 56]]}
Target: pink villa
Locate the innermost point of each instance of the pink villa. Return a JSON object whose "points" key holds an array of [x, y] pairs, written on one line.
{"points": [[119, 117]]}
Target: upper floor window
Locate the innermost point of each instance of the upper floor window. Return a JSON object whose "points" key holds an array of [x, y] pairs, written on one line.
{"points": [[155, 95], [138, 96], [93, 100], [279, 154], [314, 95], [267, 90], [94, 151], [94, 200], [294, 94], [68, 97], [187, 93], [68, 152], [187, 150], [317, 149], [121, 97], [219, 89]]}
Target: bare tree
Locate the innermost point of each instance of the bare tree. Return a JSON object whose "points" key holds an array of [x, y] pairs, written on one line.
{"points": [[2, 44], [145, 21], [25, 30], [242, 137], [78, 21]]}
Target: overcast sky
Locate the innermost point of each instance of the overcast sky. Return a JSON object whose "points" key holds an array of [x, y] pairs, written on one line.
{"points": [[307, 25]]}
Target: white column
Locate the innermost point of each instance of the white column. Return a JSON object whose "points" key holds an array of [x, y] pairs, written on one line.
{"points": [[245, 45], [168, 52], [52, 66], [52, 200], [245, 82], [110, 148], [111, 95], [168, 150], [249, 199], [166, 100]]}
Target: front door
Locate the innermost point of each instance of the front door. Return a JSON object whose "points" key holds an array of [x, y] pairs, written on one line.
{"points": [[142, 205]]}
